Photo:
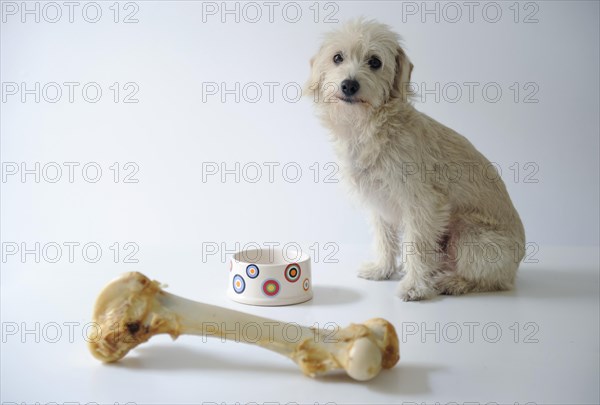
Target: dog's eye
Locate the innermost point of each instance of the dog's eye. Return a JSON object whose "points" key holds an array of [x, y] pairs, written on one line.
{"points": [[337, 58], [374, 63]]}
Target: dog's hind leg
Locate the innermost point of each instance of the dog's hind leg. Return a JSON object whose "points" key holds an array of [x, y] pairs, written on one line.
{"points": [[480, 260]]}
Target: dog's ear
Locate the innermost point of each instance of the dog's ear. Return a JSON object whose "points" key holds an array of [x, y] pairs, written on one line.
{"points": [[314, 81], [404, 68]]}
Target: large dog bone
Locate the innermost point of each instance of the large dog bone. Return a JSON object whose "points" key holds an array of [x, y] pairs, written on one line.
{"points": [[132, 308]]}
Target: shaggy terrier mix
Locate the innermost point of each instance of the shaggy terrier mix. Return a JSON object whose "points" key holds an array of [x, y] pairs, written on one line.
{"points": [[461, 232]]}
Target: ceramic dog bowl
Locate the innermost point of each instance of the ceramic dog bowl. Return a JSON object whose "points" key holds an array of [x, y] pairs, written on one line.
{"points": [[270, 277]]}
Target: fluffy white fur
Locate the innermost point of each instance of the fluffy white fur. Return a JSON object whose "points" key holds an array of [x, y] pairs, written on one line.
{"points": [[461, 232]]}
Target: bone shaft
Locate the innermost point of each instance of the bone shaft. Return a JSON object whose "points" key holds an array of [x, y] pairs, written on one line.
{"points": [[213, 321]]}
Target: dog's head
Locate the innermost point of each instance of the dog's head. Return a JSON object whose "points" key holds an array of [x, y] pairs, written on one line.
{"points": [[359, 65]]}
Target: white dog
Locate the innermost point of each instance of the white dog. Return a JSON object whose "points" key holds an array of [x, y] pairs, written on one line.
{"points": [[461, 230]]}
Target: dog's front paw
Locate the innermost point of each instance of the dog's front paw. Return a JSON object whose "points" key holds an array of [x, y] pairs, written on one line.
{"points": [[412, 290], [376, 271]]}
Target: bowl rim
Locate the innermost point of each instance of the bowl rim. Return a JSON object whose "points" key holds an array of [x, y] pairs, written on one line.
{"points": [[304, 257]]}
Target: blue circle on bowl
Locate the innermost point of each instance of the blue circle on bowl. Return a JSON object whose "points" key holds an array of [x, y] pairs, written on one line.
{"points": [[239, 285], [252, 271]]}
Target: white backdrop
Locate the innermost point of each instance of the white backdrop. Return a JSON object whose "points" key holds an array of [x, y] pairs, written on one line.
{"points": [[163, 135]]}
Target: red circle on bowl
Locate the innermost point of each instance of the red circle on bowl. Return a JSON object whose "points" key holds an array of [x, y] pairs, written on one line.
{"points": [[292, 272], [270, 288]]}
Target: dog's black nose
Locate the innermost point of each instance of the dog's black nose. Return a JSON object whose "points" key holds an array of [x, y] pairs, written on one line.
{"points": [[350, 87]]}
